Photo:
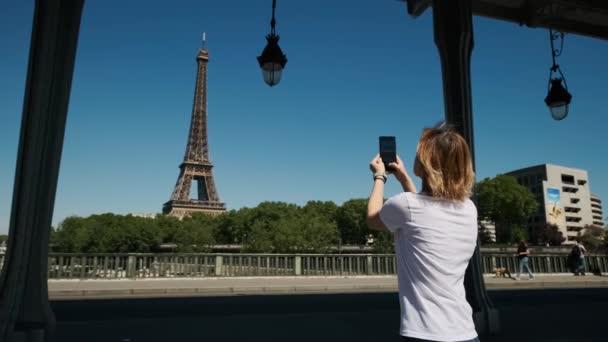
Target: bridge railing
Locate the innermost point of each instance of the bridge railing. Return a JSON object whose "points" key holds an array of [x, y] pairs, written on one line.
{"points": [[112, 266], [543, 263]]}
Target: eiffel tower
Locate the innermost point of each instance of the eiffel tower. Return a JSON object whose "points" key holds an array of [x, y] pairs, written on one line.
{"points": [[196, 166]]}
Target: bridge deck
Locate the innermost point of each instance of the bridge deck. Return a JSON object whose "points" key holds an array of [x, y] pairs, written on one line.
{"points": [[551, 315]]}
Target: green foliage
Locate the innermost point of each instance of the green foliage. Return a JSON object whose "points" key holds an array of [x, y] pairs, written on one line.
{"points": [[505, 202], [106, 233], [519, 233], [328, 209], [271, 227], [384, 243], [547, 234], [195, 234], [3, 238], [593, 239], [286, 228], [351, 222], [302, 233], [228, 228], [71, 235]]}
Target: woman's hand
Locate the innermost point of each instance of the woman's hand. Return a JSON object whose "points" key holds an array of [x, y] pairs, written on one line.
{"points": [[398, 169], [376, 165]]}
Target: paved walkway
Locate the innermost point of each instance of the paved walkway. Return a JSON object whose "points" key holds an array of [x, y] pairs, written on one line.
{"points": [[59, 289]]}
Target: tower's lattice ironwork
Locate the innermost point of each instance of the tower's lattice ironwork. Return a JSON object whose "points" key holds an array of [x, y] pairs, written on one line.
{"points": [[196, 166]]}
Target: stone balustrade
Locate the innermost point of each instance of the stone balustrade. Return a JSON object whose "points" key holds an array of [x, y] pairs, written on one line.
{"points": [[135, 265]]}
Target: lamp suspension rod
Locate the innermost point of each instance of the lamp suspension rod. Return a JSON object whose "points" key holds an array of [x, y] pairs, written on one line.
{"points": [[273, 22], [554, 52]]}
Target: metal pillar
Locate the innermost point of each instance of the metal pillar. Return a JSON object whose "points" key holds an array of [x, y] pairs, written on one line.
{"points": [[25, 313], [452, 24]]}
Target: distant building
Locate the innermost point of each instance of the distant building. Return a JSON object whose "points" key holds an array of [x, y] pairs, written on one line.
{"points": [[144, 215], [596, 210], [490, 227], [563, 196]]}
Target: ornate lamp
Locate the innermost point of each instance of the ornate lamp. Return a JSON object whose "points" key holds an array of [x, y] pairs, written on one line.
{"points": [[272, 61], [558, 98]]}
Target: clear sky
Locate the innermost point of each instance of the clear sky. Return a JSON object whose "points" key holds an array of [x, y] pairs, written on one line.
{"points": [[357, 70]]}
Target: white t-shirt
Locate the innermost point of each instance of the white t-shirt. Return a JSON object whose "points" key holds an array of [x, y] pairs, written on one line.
{"points": [[434, 240]]}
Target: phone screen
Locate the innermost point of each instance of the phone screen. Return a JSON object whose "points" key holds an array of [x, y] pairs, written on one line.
{"points": [[388, 150]]}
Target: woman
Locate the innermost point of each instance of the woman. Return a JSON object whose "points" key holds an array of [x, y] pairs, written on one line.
{"points": [[522, 253], [435, 235]]}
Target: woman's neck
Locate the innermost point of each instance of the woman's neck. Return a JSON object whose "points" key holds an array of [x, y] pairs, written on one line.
{"points": [[425, 189]]}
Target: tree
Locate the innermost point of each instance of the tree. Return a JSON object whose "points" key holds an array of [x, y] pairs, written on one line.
{"points": [[326, 209], [228, 229], [605, 244], [300, 233], [593, 238], [519, 233], [351, 222], [384, 242], [196, 233], [319, 233], [505, 202], [257, 221], [70, 236], [547, 234], [167, 227], [3, 237]]}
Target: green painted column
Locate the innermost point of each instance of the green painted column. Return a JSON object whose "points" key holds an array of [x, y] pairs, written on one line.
{"points": [[25, 313], [453, 29]]}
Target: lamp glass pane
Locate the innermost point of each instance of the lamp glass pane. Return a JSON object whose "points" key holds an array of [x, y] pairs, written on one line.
{"points": [[559, 110], [272, 73]]}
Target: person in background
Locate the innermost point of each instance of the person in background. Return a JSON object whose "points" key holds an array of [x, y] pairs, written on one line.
{"points": [[579, 252], [523, 253], [435, 234]]}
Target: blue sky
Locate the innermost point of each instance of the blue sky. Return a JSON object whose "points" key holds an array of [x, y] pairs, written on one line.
{"points": [[356, 70]]}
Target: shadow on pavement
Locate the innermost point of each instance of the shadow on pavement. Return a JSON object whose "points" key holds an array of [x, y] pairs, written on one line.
{"points": [[526, 315]]}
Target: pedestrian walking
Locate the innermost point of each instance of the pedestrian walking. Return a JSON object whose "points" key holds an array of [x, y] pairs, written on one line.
{"points": [[578, 255], [435, 234], [523, 254]]}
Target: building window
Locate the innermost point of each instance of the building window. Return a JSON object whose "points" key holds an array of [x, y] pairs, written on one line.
{"points": [[574, 200], [567, 179], [569, 189], [581, 182]]}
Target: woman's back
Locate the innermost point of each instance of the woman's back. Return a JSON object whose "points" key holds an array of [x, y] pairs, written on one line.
{"points": [[434, 241]]}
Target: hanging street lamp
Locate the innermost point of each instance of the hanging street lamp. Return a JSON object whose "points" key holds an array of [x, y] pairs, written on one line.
{"points": [[272, 61], [558, 98]]}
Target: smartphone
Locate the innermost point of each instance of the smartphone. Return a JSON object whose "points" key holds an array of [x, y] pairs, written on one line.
{"points": [[388, 150]]}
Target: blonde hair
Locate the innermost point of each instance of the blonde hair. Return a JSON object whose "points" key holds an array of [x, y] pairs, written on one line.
{"points": [[445, 164]]}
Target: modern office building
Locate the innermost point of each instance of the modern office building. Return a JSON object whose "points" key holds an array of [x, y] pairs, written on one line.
{"points": [[596, 210], [563, 196]]}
